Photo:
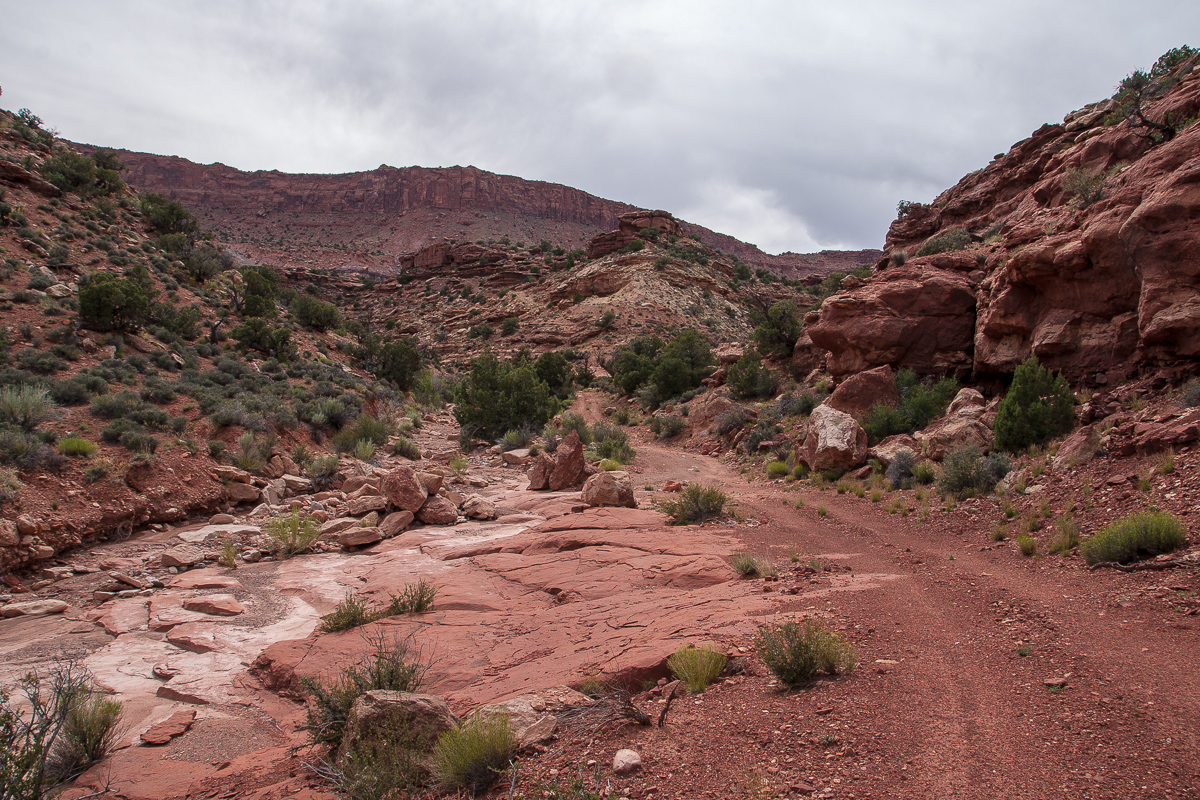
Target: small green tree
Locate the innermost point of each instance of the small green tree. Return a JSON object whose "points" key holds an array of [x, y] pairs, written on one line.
{"points": [[1140, 88], [398, 362], [555, 371], [1039, 406], [108, 302], [496, 397], [747, 377], [167, 216], [777, 334], [259, 334], [314, 314]]}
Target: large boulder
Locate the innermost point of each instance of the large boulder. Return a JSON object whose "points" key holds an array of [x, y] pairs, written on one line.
{"points": [[835, 440], [887, 449], [438, 511], [858, 393], [912, 316], [967, 402], [953, 433], [395, 523], [539, 476], [423, 718], [404, 489], [478, 507], [568, 464], [609, 489]]}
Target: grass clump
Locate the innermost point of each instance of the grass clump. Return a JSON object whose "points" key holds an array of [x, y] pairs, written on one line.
{"points": [[473, 755], [795, 653], [612, 443], [77, 447], [1144, 534], [697, 667], [88, 734], [749, 565], [777, 469], [352, 612], [1066, 536], [292, 534], [696, 503], [1028, 545], [667, 426], [954, 239]]}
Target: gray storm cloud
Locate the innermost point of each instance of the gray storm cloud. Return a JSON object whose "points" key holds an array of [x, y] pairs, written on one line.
{"points": [[793, 125]]}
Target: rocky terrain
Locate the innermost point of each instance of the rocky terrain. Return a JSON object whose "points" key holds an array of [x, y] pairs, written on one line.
{"points": [[870, 484]]}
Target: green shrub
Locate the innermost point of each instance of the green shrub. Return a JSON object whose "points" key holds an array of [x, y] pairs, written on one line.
{"points": [[1039, 406], [900, 472], [777, 469], [697, 667], [10, 485], [954, 239], [415, 598], [575, 422], [473, 755], [391, 664], [965, 472], [777, 334], [25, 406], [612, 442], [407, 448], [496, 397], [667, 426], [747, 377], [696, 503], [921, 401], [1027, 544], [729, 421], [364, 450], [352, 612], [1140, 535], [1066, 536], [77, 447], [749, 565], [509, 326], [292, 534], [89, 733], [167, 216], [108, 302], [314, 314], [322, 472], [366, 428], [26, 451], [796, 654], [923, 472]]}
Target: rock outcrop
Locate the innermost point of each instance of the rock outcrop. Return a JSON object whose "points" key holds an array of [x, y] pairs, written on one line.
{"points": [[609, 489], [1098, 289], [835, 441]]}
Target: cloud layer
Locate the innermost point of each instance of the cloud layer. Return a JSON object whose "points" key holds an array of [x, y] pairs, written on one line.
{"points": [[793, 125]]}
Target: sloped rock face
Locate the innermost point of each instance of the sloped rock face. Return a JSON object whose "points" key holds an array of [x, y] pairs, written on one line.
{"points": [[857, 394], [1097, 292]]}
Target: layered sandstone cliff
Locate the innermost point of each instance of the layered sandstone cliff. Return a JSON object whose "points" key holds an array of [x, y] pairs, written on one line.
{"points": [[1099, 290]]}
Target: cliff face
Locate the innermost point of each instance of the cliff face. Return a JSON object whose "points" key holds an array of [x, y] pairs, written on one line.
{"points": [[371, 220], [1081, 245]]}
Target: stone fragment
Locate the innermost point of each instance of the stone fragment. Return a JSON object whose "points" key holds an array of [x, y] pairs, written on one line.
{"points": [[1077, 449], [221, 519], [954, 433], [438, 511], [209, 578], [539, 477], [129, 580], [297, 484], [609, 489], [477, 507], [626, 762], [33, 608], [338, 525], [233, 474], [568, 463], [195, 637], [887, 449], [395, 523], [221, 605], [241, 492], [672, 486], [26, 525], [365, 505], [9, 536], [182, 556], [431, 481], [965, 399], [174, 726], [358, 537], [403, 490], [516, 457], [370, 520]]}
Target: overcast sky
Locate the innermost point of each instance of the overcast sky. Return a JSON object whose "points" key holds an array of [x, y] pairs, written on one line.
{"points": [[793, 125]]}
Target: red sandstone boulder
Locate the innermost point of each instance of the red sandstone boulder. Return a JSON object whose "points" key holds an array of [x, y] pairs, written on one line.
{"points": [[568, 464], [609, 489], [438, 511], [403, 489], [539, 477], [858, 393], [910, 316]]}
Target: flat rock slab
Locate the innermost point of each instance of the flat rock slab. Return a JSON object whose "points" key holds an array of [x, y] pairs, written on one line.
{"points": [[184, 555], [211, 578], [221, 605], [358, 537], [202, 533], [195, 637], [123, 616], [176, 725], [33, 608]]}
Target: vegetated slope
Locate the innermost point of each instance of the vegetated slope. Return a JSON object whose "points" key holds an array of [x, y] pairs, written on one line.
{"points": [[367, 220], [1079, 245]]}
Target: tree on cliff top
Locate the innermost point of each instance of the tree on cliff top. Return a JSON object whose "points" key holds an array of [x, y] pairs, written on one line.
{"points": [[1140, 88]]}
